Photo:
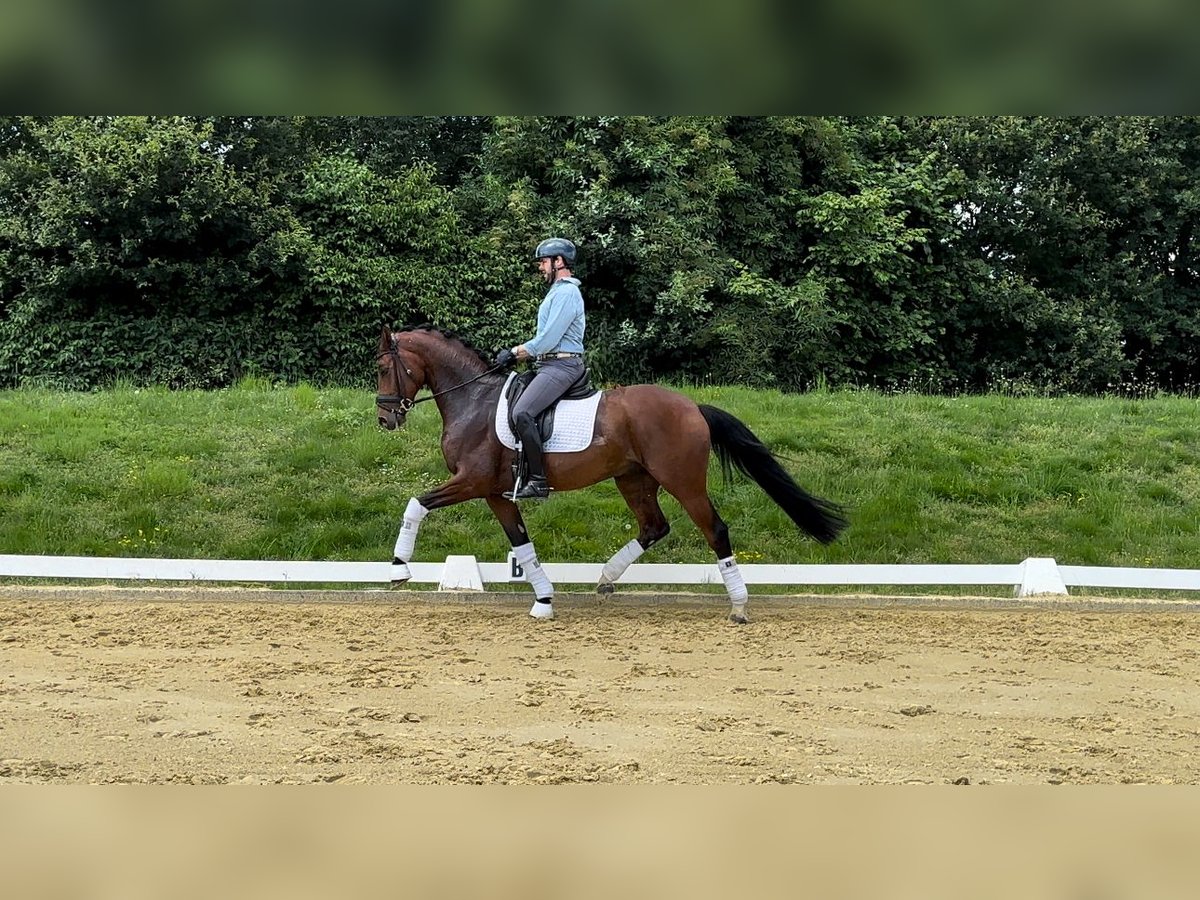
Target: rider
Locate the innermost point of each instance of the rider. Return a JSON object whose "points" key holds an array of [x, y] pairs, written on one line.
{"points": [[557, 349]]}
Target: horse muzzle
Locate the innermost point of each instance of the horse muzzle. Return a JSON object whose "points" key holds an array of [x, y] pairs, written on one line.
{"points": [[393, 411], [391, 420]]}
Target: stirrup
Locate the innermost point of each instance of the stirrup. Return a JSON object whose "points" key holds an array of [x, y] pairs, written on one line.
{"points": [[534, 489]]}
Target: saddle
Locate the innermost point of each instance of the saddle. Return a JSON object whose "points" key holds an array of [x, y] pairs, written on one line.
{"points": [[580, 389]]}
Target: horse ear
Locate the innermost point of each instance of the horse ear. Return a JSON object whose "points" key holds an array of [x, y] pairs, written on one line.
{"points": [[385, 339]]}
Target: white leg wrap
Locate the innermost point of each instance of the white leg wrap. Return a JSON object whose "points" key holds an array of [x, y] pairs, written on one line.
{"points": [[622, 560], [407, 539], [527, 558], [732, 577]]}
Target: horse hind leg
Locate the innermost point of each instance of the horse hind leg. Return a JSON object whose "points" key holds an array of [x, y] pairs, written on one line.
{"points": [[717, 534], [700, 509], [640, 491]]}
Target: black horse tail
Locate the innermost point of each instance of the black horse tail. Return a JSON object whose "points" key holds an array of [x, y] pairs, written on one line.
{"points": [[736, 445]]}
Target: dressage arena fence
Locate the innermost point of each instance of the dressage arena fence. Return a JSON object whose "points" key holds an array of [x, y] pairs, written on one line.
{"points": [[1032, 577]]}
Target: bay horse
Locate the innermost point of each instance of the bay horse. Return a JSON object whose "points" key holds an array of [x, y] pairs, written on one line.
{"points": [[645, 438]]}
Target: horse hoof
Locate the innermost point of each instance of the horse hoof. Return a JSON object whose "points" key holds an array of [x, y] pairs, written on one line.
{"points": [[400, 573], [604, 587], [739, 619], [542, 609]]}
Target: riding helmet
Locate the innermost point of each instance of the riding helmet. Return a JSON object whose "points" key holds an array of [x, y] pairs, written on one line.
{"points": [[556, 246]]}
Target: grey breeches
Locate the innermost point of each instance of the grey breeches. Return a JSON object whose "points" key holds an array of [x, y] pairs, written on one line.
{"points": [[552, 380]]}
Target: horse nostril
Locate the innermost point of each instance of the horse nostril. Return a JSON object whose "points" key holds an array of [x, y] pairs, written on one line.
{"points": [[382, 422]]}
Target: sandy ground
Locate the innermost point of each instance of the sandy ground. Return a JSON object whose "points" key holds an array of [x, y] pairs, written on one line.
{"points": [[134, 685]]}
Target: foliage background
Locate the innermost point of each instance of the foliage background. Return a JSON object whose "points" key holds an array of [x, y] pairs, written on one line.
{"points": [[942, 254]]}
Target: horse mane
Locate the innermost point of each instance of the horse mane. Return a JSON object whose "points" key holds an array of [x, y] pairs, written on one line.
{"points": [[451, 337]]}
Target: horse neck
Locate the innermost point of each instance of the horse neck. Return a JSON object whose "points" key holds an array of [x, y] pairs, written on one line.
{"points": [[444, 371], [465, 407]]}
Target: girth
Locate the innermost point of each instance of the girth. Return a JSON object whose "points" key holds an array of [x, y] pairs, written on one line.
{"points": [[580, 389]]}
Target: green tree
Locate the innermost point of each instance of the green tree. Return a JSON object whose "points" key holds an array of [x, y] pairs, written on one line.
{"points": [[941, 253], [682, 258], [192, 251], [130, 246], [1077, 241], [391, 249]]}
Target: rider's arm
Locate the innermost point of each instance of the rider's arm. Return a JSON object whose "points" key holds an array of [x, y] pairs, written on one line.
{"points": [[556, 314]]}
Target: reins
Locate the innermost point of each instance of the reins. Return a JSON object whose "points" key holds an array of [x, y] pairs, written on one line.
{"points": [[404, 403]]}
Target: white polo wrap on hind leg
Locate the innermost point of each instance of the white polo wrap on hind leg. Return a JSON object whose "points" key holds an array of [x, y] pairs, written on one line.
{"points": [[407, 539], [527, 559], [622, 560], [732, 577]]}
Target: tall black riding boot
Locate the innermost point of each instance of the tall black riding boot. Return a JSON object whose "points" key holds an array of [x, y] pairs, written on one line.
{"points": [[535, 487]]}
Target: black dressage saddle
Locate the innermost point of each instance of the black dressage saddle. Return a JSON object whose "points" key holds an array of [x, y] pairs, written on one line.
{"points": [[580, 389]]}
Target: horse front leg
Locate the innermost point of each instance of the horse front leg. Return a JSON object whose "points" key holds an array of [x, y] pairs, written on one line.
{"points": [[509, 516], [456, 490]]}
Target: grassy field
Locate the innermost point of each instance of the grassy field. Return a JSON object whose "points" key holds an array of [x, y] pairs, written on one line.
{"points": [[258, 472]]}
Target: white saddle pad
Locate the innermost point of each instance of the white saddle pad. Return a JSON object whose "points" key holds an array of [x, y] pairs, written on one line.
{"points": [[574, 423]]}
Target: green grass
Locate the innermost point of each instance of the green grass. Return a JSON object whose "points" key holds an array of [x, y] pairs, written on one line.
{"points": [[256, 472]]}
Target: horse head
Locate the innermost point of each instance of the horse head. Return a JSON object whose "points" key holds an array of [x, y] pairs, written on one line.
{"points": [[399, 380], [423, 356]]}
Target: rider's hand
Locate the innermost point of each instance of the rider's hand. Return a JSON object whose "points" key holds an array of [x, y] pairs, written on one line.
{"points": [[505, 358]]}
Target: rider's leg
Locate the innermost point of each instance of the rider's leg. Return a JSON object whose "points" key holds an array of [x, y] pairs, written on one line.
{"points": [[552, 380], [535, 485]]}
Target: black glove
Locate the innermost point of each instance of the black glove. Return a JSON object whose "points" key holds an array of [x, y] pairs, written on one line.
{"points": [[506, 358]]}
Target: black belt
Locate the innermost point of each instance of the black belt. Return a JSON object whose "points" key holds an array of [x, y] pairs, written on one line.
{"points": [[542, 357]]}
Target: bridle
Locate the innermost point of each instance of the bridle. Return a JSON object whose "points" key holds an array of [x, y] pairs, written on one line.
{"points": [[400, 405], [397, 404]]}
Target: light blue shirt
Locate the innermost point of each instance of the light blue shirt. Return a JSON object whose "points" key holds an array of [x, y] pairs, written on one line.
{"points": [[560, 320]]}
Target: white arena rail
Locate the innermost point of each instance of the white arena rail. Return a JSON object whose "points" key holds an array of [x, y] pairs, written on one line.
{"points": [[1031, 577]]}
